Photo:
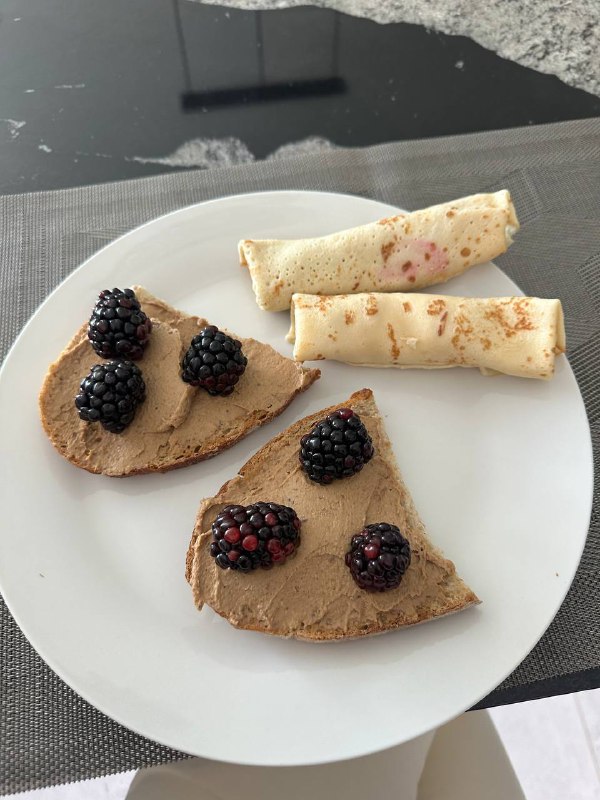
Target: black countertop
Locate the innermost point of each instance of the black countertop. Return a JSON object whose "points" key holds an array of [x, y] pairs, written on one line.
{"points": [[99, 91]]}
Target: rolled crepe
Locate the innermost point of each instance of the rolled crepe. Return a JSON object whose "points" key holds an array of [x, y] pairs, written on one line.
{"points": [[397, 254], [514, 335]]}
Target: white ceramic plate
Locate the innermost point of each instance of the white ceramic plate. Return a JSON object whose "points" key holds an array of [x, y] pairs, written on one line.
{"points": [[92, 567]]}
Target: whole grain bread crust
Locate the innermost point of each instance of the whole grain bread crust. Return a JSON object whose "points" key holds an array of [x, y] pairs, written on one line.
{"points": [[468, 598]]}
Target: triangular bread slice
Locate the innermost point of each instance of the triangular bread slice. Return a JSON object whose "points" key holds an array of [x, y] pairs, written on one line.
{"points": [[313, 596], [177, 425]]}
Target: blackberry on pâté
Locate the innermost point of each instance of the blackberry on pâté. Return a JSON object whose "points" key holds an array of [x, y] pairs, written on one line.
{"points": [[118, 327], [337, 447], [213, 361], [110, 394], [378, 557], [258, 535]]}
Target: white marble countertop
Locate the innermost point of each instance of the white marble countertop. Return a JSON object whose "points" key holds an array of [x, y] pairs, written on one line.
{"points": [[560, 37]]}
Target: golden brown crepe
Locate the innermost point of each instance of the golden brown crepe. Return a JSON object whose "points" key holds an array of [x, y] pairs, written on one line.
{"points": [[397, 254], [513, 335]]}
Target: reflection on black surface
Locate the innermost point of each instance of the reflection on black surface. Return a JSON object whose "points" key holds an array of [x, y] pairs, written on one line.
{"points": [[300, 72], [291, 90], [293, 61]]}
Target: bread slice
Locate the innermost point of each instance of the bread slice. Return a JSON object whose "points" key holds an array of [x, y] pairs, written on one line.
{"points": [[313, 596], [177, 425]]}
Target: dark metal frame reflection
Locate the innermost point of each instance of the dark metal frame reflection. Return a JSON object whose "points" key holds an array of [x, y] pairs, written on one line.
{"points": [[263, 92]]}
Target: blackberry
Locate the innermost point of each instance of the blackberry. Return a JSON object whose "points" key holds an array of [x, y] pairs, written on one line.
{"points": [[110, 394], [118, 327], [378, 557], [214, 361], [259, 535], [337, 447]]}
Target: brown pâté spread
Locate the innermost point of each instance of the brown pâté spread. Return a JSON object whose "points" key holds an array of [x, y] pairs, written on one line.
{"points": [[313, 594], [176, 423]]}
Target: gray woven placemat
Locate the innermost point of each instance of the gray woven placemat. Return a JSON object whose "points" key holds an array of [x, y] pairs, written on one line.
{"points": [[48, 734]]}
